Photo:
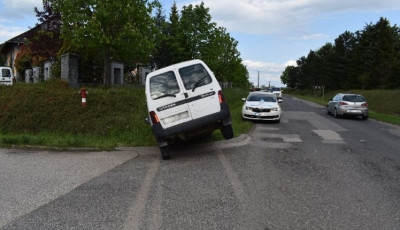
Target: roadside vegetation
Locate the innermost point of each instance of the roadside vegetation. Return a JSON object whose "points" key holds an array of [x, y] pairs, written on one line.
{"points": [[50, 114], [367, 59], [384, 105], [138, 35]]}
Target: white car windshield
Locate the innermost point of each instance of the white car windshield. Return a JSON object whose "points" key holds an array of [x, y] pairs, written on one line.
{"points": [[261, 97]]}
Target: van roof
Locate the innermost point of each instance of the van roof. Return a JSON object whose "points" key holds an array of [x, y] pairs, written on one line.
{"points": [[176, 66]]}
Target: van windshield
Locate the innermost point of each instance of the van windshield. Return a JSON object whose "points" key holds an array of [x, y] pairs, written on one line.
{"points": [[163, 84], [194, 76]]}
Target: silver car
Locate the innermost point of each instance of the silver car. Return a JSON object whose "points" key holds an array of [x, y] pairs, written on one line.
{"points": [[348, 105]]}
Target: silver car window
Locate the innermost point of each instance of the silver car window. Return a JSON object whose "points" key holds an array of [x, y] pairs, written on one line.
{"points": [[353, 98]]}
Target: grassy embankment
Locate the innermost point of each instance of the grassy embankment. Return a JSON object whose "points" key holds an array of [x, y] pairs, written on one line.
{"points": [[384, 105], [50, 114]]}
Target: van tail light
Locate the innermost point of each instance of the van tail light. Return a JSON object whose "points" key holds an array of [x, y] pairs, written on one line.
{"points": [[154, 117], [342, 103], [221, 97], [364, 104]]}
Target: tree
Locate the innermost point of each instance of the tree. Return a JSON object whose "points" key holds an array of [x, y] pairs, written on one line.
{"points": [[289, 77], [23, 60], [119, 30], [195, 29], [162, 56], [343, 63], [202, 39], [366, 59], [46, 42], [192, 35]]}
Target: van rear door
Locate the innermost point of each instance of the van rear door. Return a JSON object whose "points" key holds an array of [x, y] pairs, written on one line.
{"points": [[201, 89], [166, 99]]}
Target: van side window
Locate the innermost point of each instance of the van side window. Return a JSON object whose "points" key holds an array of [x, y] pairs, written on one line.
{"points": [[194, 76], [5, 73], [163, 84]]}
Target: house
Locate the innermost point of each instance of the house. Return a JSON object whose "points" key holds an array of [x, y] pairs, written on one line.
{"points": [[11, 48]]}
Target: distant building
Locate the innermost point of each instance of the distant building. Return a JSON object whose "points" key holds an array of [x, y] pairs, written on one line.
{"points": [[11, 48]]}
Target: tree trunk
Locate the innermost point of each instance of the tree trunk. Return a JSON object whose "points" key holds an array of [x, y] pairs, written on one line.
{"points": [[107, 67]]}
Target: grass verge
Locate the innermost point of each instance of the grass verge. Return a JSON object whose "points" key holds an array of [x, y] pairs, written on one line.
{"points": [[50, 114]]}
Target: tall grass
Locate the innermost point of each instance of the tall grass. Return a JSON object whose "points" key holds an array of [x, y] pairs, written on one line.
{"points": [[50, 114]]}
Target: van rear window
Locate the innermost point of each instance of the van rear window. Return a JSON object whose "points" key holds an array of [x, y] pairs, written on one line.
{"points": [[163, 84], [194, 76], [5, 73]]}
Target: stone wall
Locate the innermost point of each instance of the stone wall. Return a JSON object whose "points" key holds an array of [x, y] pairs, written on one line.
{"points": [[70, 69]]}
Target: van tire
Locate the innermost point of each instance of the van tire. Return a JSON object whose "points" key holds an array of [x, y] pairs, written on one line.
{"points": [[165, 153], [227, 131]]}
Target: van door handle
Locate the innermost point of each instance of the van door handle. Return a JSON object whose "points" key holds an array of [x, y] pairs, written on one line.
{"points": [[186, 95]]}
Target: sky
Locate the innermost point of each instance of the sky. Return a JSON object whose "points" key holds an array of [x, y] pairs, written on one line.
{"points": [[271, 34]]}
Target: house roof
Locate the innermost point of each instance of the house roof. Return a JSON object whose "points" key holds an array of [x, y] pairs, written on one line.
{"points": [[18, 39]]}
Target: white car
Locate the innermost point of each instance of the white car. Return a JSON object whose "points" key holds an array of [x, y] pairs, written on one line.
{"points": [[261, 106], [277, 91]]}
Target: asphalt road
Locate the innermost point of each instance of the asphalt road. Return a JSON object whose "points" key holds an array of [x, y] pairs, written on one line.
{"points": [[311, 171]]}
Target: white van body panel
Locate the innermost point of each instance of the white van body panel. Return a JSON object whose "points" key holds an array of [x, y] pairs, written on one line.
{"points": [[190, 110], [6, 76]]}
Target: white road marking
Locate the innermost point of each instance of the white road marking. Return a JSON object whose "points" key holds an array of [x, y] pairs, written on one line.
{"points": [[136, 212], [156, 209], [329, 136], [232, 176], [289, 138], [319, 122]]}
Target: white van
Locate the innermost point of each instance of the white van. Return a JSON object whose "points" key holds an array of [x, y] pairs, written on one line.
{"points": [[185, 100], [6, 76]]}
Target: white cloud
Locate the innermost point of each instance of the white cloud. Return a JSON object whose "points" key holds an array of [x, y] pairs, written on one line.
{"points": [[23, 6], [291, 63], [7, 32], [309, 37], [281, 17], [16, 16], [269, 73]]}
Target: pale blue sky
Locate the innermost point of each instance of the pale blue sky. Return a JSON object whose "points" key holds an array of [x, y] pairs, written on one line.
{"points": [[271, 33]]}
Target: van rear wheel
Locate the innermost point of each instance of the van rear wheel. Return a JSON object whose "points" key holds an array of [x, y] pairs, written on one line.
{"points": [[165, 153], [227, 131]]}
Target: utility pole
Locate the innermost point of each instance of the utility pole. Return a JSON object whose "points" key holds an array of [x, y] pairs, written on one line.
{"points": [[258, 81]]}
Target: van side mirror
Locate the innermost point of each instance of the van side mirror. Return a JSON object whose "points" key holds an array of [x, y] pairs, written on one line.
{"points": [[243, 99]]}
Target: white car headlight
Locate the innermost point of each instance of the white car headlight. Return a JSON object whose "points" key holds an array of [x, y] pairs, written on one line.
{"points": [[275, 109], [248, 108]]}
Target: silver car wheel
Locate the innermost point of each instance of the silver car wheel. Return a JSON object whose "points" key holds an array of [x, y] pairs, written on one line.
{"points": [[335, 113]]}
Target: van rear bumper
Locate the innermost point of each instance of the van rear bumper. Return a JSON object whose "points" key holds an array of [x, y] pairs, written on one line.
{"points": [[215, 121]]}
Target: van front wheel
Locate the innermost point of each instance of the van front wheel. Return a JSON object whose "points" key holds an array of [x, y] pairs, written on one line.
{"points": [[227, 131]]}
